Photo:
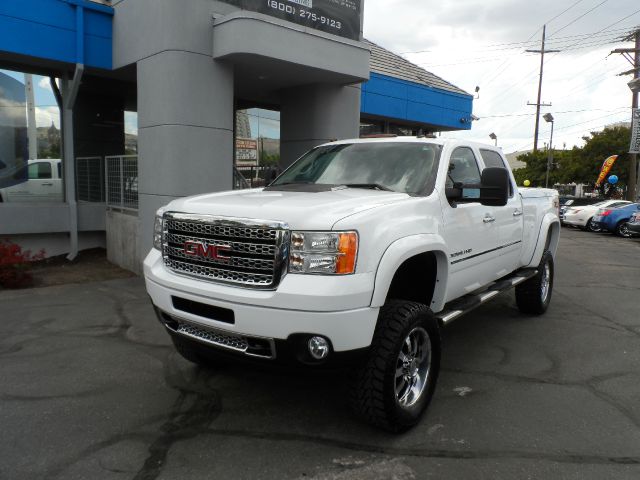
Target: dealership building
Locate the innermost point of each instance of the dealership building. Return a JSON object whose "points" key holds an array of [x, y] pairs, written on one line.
{"points": [[219, 90]]}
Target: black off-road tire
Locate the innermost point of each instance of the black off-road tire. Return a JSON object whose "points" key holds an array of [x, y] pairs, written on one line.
{"points": [[373, 391], [530, 296]]}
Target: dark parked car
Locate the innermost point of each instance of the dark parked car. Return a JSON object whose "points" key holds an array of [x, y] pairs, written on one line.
{"points": [[615, 220], [634, 223]]}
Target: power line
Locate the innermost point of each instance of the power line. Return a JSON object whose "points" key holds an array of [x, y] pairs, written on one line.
{"points": [[563, 111], [507, 61], [471, 60], [519, 45], [556, 54], [579, 17]]}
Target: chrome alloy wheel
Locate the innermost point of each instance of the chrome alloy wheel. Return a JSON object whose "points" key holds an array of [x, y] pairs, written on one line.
{"points": [[624, 231], [545, 282], [412, 367]]}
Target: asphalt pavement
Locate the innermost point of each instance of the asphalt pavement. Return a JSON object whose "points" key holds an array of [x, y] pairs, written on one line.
{"points": [[90, 388]]}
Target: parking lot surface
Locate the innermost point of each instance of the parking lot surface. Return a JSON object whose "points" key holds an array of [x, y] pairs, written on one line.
{"points": [[90, 388]]}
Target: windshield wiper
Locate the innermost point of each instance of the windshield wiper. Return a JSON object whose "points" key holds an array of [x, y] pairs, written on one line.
{"points": [[372, 186]]}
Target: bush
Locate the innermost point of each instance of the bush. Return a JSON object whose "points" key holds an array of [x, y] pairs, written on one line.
{"points": [[14, 265]]}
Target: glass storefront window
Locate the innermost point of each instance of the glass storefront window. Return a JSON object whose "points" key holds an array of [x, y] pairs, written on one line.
{"points": [[30, 140], [257, 152], [371, 127]]}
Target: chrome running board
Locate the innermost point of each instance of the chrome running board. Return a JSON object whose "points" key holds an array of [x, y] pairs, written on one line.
{"points": [[460, 306]]}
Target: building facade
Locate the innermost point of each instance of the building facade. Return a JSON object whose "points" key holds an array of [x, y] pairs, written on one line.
{"points": [[196, 72]]}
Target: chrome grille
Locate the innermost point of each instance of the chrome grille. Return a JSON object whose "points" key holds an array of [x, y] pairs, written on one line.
{"points": [[249, 345], [229, 341], [252, 253]]}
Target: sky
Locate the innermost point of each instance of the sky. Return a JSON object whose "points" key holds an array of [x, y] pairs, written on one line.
{"points": [[482, 43], [46, 106]]}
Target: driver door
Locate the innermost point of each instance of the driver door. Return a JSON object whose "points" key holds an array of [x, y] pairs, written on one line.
{"points": [[469, 230]]}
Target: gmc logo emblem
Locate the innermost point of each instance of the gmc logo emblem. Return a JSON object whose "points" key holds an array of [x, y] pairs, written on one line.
{"points": [[206, 250]]}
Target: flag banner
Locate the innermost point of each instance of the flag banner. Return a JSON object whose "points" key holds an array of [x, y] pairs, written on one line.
{"points": [[606, 168], [635, 131]]}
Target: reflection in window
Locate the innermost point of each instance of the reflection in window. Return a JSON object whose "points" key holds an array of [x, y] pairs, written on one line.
{"points": [[39, 171], [26, 177], [257, 146], [463, 167], [371, 127]]}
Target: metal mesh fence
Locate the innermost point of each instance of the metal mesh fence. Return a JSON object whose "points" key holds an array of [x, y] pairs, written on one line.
{"points": [[90, 179], [122, 182]]}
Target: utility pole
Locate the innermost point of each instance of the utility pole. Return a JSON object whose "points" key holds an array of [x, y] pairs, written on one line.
{"points": [[542, 51], [633, 185]]}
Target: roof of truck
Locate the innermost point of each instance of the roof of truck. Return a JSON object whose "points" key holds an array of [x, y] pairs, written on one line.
{"points": [[383, 138]]}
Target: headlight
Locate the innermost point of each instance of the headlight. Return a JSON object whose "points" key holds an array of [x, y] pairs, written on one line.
{"points": [[157, 230], [329, 253]]}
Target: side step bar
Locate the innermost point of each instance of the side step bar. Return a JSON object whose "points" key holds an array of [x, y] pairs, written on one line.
{"points": [[459, 307]]}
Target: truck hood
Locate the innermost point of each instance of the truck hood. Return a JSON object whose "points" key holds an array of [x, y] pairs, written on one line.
{"points": [[301, 210]]}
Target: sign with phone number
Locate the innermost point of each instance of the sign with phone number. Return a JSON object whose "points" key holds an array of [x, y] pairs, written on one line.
{"points": [[339, 17]]}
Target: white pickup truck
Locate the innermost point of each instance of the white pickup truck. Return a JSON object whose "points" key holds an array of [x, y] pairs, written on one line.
{"points": [[359, 252], [40, 181]]}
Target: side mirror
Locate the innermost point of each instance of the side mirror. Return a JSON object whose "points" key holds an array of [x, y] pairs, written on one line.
{"points": [[493, 190]]}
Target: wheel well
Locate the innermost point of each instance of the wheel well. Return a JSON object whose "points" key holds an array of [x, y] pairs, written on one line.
{"points": [[415, 279], [553, 237]]}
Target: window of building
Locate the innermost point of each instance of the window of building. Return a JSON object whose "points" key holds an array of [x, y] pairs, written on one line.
{"points": [[29, 131], [257, 147], [371, 127], [402, 130]]}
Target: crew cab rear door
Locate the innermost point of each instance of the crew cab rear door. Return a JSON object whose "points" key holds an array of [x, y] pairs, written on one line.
{"points": [[469, 230], [509, 221]]}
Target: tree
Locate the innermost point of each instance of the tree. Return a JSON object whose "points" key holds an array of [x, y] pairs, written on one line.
{"points": [[580, 164]]}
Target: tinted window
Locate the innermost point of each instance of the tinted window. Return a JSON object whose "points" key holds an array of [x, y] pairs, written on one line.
{"points": [[59, 169], [494, 159], [408, 167], [40, 170], [463, 167]]}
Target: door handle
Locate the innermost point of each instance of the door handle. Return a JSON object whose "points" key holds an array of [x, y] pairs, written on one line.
{"points": [[47, 184], [517, 213], [488, 219]]}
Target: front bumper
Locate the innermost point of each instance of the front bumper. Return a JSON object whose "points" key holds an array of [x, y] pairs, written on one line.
{"points": [[333, 307], [574, 221], [634, 227]]}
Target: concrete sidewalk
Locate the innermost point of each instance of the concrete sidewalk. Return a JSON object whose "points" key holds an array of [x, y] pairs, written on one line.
{"points": [[90, 388]]}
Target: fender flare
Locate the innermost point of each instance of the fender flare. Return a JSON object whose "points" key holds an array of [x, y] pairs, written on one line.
{"points": [[550, 225], [400, 251]]}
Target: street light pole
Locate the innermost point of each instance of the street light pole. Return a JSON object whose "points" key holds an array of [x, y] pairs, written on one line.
{"points": [[634, 182], [549, 118], [494, 137]]}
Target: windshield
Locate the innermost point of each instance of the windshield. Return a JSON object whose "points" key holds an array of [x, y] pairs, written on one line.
{"points": [[398, 166]]}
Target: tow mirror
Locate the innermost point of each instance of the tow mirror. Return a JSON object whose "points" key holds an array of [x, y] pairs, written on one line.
{"points": [[493, 190]]}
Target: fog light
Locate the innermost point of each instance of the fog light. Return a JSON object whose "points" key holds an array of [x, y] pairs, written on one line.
{"points": [[318, 347]]}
